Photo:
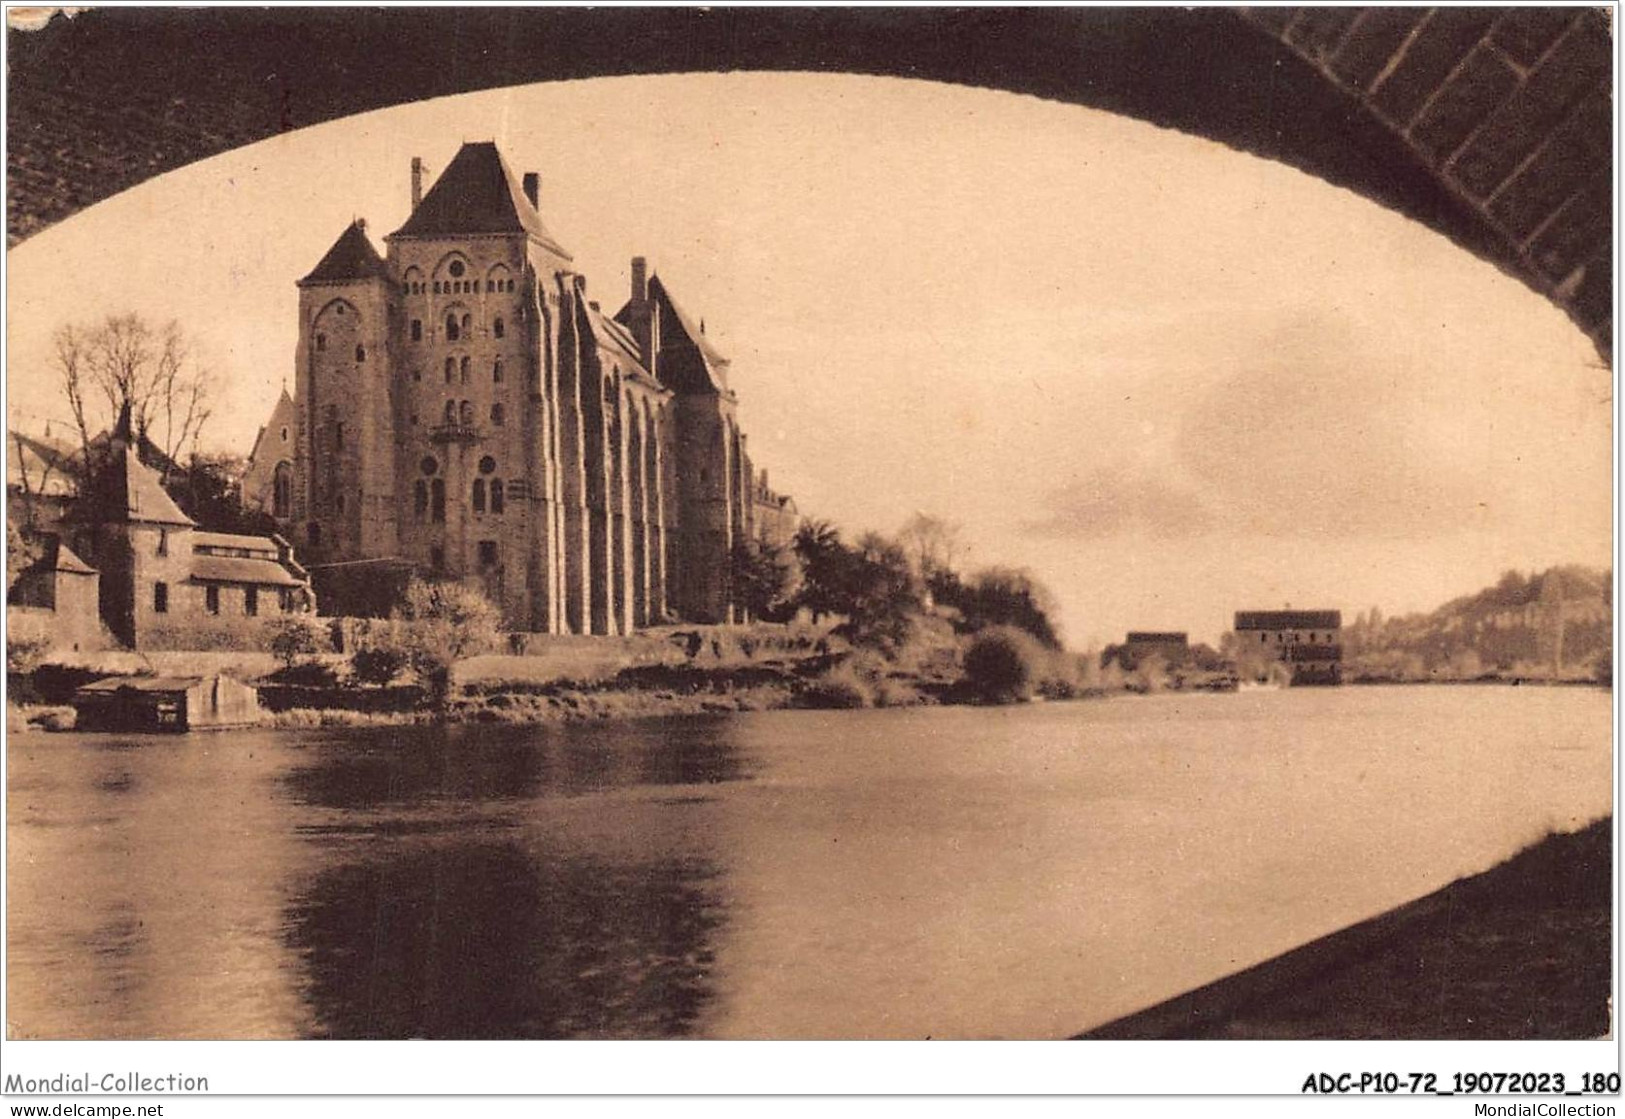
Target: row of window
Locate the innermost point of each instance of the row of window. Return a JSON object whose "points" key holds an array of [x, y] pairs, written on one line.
{"points": [[458, 369], [211, 599], [462, 414], [455, 287], [429, 498], [1283, 638], [321, 347], [488, 555], [456, 328]]}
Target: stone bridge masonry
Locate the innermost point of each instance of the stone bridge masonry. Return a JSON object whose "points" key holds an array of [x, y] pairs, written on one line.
{"points": [[1490, 125]]}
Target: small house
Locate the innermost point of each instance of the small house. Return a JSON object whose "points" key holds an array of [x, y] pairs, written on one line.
{"points": [[166, 703]]}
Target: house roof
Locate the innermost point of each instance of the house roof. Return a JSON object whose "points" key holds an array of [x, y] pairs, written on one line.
{"points": [[234, 540], [352, 257], [143, 684], [123, 490], [232, 569], [50, 466], [61, 558], [1288, 619], [283, 406], [613, 336], [477, 193], [677, 323], [57, 556]]}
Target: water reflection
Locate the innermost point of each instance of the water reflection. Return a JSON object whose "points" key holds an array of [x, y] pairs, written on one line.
{"points": [[379, 768], [946, 872], [486, 941]]}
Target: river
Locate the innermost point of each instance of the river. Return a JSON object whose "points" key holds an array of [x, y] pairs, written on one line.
{"points": [[1020, 872]]}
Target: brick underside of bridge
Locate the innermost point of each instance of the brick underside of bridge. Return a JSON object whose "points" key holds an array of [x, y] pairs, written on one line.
{"points": [[1491, 125], [1511, 108]]}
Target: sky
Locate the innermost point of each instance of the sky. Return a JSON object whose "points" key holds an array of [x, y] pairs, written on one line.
{"points": [[1170, 379]]}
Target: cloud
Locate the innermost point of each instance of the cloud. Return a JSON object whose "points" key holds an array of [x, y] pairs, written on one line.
{"points": [[1328, 436], [1117, 501]]}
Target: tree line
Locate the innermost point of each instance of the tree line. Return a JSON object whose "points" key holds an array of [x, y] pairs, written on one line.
{"points": [[881, 586]]}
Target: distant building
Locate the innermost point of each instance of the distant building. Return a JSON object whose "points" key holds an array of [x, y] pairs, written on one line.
{"points": [[1171, 648], [1308, 642], [160, 582], [463, 408]]}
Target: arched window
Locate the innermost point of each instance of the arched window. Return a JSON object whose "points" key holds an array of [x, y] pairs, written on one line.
{"points": [[465, 413], [497, 327], [479, 495], [321, 343], [282, 491], [360, 352], [417, 330], [437, 500], [451, 411], [496, 372], [497, 495], [510, 285], [463, 369], [468, 321], [437, 287], [452, 333], [420, 498], [451, 368], [490, 286], [496, 415]]}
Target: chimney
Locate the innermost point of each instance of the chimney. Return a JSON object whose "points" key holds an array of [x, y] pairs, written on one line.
{"points": [[640, 280], [417, 182], [533, 189]]}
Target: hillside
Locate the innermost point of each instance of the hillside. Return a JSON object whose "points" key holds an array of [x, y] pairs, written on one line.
{"points": [[1556, 625]]}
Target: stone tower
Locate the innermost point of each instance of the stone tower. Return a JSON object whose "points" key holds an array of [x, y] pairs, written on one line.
{"points": [[467, 411], [344, 484]]}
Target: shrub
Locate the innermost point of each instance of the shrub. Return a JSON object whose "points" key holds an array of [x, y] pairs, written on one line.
{"points": [[56, 683], [840, 688], [23, 654], [310, 674], [440, 624], [293, 637], [378, 664], [1003, 665]]}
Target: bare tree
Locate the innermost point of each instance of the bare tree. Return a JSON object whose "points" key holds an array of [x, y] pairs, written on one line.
{"points": [[932, 543], [33, 474], [124, 361]]}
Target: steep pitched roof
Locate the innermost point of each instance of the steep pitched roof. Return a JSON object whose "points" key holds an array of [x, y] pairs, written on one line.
{"points": [[49, 466], [696, 333], [124, 490], [477, 193], [611, 335], [284, 407], [352, 257], [679, 331], [54, 555]]}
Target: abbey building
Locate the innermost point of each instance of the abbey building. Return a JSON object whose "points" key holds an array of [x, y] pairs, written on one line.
{"points": [[462, 409]]}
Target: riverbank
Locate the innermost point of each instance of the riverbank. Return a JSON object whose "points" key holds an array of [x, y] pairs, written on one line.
{"points": [[1521, 951]]}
